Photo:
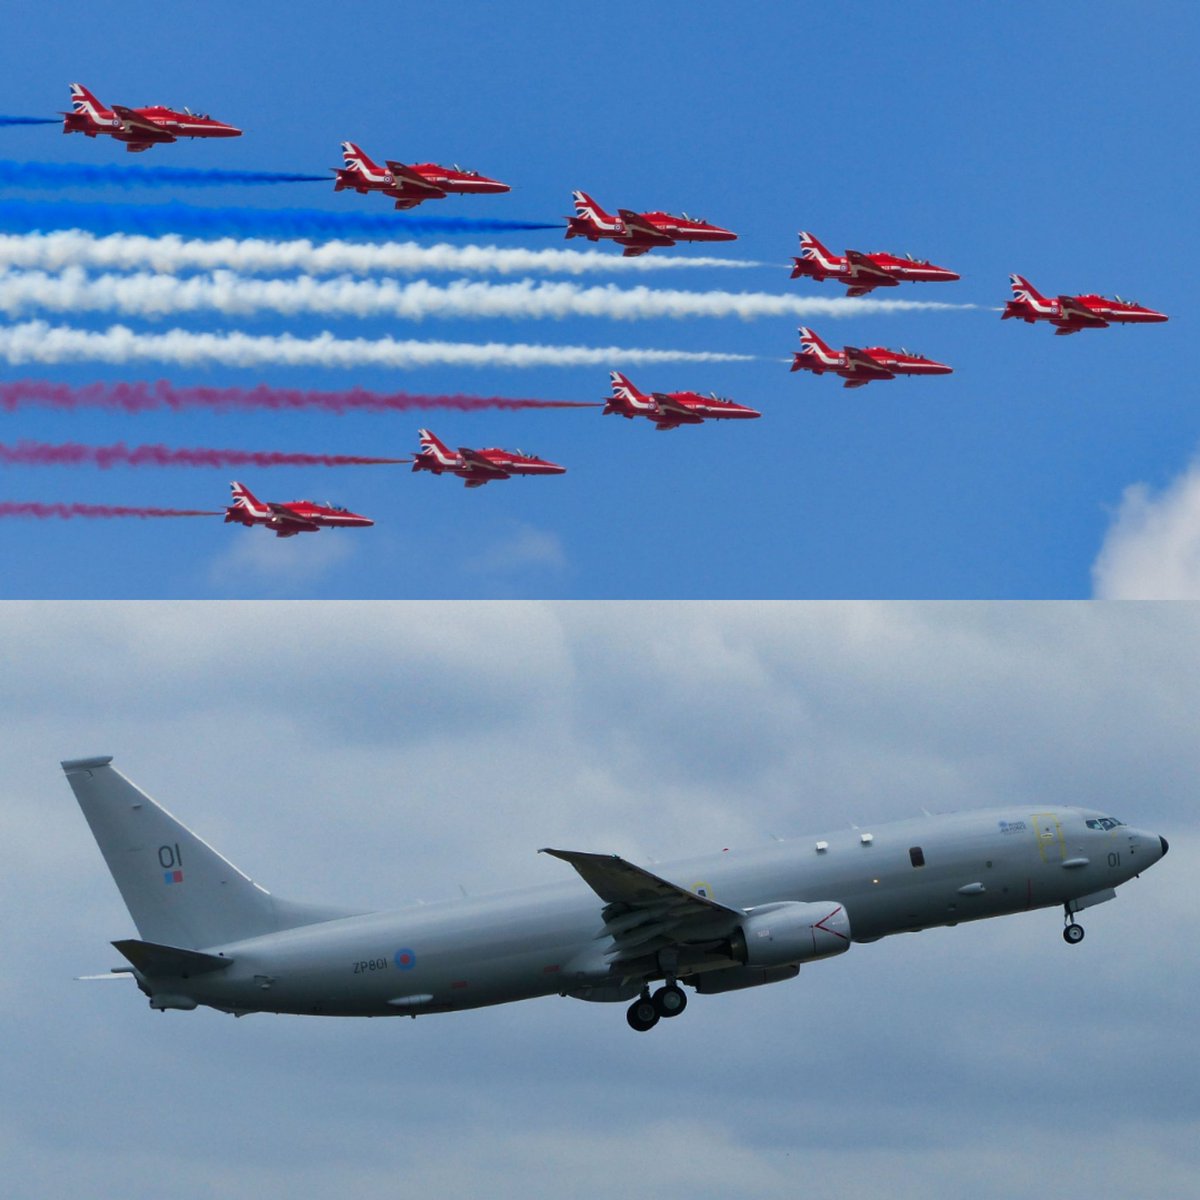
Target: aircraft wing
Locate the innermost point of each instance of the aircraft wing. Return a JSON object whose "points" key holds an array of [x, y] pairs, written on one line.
{"points": [[477, 461], [413, 178], [135, 121], [635, 224], [1078, 313], [867, 273], [864, 364], [678, 411], [644, 913]]}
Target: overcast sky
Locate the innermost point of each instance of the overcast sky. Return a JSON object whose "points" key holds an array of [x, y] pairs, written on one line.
{"points": [[374, 754]]}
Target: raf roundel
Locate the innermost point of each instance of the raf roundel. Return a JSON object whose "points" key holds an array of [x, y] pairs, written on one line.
{"points": [[405, 960]]}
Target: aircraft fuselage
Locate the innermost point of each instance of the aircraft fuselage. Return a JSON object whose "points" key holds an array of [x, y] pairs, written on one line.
{"points": [[470, 952]]}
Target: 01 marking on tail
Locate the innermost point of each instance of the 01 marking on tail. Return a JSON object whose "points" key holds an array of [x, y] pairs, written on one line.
{"points": [[217, 938]]}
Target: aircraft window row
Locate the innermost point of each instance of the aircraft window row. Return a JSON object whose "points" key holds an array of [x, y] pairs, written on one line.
{"points": [[916, 856], [1104, 823]]}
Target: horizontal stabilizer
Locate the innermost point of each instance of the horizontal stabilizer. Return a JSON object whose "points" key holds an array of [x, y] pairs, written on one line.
{"points": [[152, 959]]}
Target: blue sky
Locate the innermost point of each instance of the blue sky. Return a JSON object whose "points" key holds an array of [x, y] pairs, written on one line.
{"points": [[990, 140]]}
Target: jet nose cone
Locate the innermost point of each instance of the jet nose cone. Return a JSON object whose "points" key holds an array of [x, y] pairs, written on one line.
{"points": [[950, 276], [1162, 841]]}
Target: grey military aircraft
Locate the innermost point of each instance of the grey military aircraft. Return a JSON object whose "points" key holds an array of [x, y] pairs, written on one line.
{"points": [[211, 935]]}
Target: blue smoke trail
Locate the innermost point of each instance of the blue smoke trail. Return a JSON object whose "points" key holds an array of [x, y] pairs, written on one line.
{"points": [[30, 120], [22, 216], [59, 175]]}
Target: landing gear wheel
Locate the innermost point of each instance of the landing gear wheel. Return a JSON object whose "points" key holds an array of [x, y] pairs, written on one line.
{"points": [[642, 1014], [1073, 934], [670, 1000]]}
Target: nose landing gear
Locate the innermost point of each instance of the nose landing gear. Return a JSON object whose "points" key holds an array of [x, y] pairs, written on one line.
{"points": [[1072, 933]]}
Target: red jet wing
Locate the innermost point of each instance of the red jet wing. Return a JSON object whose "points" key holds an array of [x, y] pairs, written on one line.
{"points": [[1079, 314], [676, 412], [477, 461], [642, 229], [134, 122], [866, 274], [864, 364], [407, 175]]}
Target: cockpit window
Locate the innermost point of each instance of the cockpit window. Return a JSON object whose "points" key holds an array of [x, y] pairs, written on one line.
{"points": [[1104, 823]]}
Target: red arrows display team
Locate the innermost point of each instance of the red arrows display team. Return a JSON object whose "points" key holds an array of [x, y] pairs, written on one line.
{"points": [[477, 467], [863, 272], [138, 128], [291, 518], [1070, 314], [860, 367], [639, 232], [408, 185], [669, 410]]}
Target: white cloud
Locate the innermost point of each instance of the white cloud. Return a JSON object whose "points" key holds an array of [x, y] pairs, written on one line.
{"points": [[522, 548], [259, 557], [379, 753], [1151, 550]]}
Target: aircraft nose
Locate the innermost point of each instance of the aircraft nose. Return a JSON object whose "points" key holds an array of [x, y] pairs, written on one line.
{"points": [[1162, 841]]}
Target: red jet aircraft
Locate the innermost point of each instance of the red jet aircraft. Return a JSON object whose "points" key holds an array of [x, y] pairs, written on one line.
{"points": [[478, 467], [408, 185], [862, 272], [669, 410], [1070, 314], [138, 128], [859, 367], [639, 232], [296, 516]]}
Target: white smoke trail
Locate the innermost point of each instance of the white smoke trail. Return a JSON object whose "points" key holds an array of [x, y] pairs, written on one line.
{"points": [[173, 255], [39, 342], [146, 295]]}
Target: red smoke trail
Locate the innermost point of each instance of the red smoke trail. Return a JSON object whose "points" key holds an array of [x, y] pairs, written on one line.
{"points": [[29, 508], [44, 454], [140, 396]]}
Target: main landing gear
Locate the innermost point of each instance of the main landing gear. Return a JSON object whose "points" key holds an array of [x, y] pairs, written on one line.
{"points": [[645, 1012], [1072, 933]]}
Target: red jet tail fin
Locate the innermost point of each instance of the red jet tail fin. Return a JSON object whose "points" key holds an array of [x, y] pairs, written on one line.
{"points": [[591, 213], [246, 501], [436, 448], [86, 105], [811, 343], [1024, 290], [358, 162], [811, 248]]}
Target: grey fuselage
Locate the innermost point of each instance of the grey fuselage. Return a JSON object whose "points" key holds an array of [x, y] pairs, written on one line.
{"points": [[469, 952]]}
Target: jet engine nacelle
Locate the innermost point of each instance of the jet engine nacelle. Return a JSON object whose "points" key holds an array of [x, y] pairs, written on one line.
{"points": [[775, 935]]}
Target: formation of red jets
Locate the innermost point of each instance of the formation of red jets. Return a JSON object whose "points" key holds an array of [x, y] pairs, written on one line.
{"points": [[411, 184]]}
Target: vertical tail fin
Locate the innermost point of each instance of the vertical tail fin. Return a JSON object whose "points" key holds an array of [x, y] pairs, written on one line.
{"points": [[358, 162], [1024, 290], [592, 213], [243, 498], [84, 103], [178, 889], [811, 248], [811, 343], [436, 448]]}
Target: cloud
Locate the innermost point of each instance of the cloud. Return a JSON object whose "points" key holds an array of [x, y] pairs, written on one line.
{"points": [[287, 563], [1151, 550], [381, 753], [522, 548]]}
